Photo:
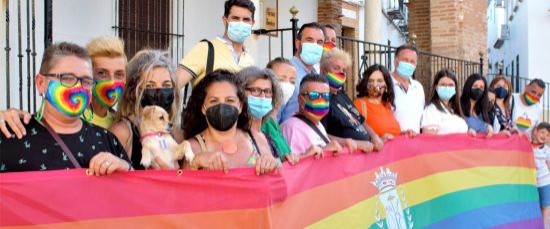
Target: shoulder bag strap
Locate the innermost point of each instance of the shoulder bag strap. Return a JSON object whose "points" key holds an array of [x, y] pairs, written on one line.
{"points": [[249, 133], [364, 108], [313, 126], [61, 144], [209, 68]]}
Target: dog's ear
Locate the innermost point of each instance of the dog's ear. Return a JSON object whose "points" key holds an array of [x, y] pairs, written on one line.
{"points": [[146, 111]]}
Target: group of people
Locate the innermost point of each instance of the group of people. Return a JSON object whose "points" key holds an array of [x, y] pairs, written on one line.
{"points": [[240, 115]]}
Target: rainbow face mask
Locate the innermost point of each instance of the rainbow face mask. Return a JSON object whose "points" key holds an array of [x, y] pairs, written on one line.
{"points": [[336, 80], [317, 108], [70, 101], [108, 92], [529, 99], [328, 46]]}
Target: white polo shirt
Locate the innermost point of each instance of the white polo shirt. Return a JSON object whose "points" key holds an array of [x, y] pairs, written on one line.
{"points": [[409, 105]]}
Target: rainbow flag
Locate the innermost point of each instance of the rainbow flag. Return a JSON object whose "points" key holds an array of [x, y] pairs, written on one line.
{"points": [[454, 181]]}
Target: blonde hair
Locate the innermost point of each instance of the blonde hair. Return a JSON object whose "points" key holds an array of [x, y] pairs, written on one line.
{"points": [[106, 47], [138, 72], [336, 53]]}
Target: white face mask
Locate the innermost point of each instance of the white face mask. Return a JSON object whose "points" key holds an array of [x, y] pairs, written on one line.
{"points": [[288, 90]]}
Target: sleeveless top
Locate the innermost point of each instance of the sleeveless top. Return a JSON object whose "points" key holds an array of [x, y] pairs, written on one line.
{"points": [[136, 145], [251, 161]]}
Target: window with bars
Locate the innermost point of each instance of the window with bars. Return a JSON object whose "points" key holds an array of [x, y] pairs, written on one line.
{"points": [[144, 24]]}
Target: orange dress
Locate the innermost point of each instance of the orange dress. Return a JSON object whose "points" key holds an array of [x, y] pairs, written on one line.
{"points": [[378, 116]]}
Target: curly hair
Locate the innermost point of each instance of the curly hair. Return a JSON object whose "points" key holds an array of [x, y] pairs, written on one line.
{"points": [[194, 121], [250, 74], [389, 95]]}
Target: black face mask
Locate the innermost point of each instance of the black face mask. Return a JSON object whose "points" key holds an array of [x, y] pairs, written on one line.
{"points": [[476, 93], [222, 116], [501, 92], [162, 97]]}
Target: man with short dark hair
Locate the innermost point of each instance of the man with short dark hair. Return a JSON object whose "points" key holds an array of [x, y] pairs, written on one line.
{"points": [[309, 49], [526, 109], [229, 51], [409, 93], [304, 132]]}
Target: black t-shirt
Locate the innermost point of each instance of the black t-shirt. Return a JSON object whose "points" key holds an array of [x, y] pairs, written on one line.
{"points": [[38, 150], [343, 119]]}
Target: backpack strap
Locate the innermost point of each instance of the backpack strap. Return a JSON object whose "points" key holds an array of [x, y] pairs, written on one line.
{"points": [[209, 68], [210, 58]]}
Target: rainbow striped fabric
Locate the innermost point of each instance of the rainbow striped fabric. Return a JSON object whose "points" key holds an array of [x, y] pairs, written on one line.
{"points": [[328, 46], [454, 181]]}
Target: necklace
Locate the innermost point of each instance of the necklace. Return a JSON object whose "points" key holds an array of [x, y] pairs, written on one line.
{"points": [[228, 148]]}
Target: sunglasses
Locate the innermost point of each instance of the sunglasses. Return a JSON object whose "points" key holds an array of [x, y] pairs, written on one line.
{"points": [[313, 95]]}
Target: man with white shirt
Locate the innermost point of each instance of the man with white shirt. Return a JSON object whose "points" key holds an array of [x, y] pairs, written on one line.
{"points": [[409, 94], [228, 51], [526, 108]]}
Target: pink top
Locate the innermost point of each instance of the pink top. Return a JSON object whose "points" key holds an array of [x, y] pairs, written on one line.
{"points": [[300, 136]]}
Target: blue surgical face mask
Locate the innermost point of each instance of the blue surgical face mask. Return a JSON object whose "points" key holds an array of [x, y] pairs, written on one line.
{"points": [[311, 53], [259, 107], [238, 31], [445, 93], [405, 69]]}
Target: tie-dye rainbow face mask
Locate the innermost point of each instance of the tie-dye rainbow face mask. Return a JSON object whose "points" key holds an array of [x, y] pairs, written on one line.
{"points": [[108, 92], [70, 101], [317, 108], [336, 80]]}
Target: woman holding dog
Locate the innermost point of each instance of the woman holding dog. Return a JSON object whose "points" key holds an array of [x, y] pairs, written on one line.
{"points": [[150, 80], [217, 125]]}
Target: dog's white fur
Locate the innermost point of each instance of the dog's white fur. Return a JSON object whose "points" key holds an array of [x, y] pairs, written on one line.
{"points": [[164, 147]]}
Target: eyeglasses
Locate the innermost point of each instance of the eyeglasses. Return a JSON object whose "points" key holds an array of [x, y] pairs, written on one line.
{"points": [[313, 95], [69, 80], [256, 91]]}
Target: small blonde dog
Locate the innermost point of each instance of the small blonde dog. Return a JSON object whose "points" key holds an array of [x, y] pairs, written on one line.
{"points": [[156, 140]]}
